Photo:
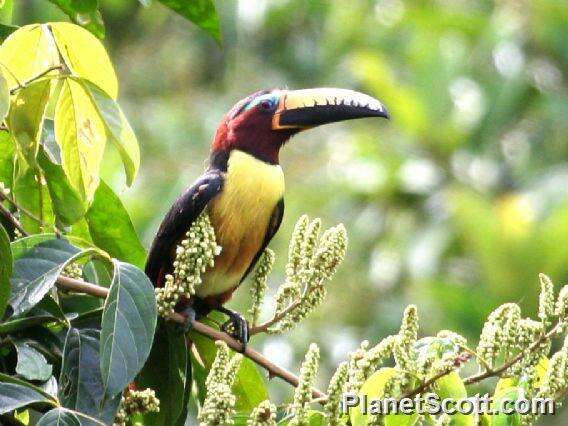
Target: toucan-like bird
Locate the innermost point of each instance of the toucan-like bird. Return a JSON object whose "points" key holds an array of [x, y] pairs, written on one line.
{"points": [[243, 187]]}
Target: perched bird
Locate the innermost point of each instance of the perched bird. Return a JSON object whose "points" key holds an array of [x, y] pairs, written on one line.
{"points": [[243, 187]]}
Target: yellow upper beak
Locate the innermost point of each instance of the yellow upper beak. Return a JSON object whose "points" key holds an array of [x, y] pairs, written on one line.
{"points": [[303, 109]]}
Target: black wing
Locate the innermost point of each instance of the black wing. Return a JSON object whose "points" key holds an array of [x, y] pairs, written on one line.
{"points": [[273, 226], [178, 220]]}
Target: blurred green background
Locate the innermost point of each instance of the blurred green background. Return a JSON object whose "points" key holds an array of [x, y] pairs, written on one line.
{"points": [[455, 205]]}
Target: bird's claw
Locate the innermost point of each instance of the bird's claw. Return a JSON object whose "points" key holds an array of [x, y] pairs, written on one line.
{"points": [[236, 327], [189, 314]]}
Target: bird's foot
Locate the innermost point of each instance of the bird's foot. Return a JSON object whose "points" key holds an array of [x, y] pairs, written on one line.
{"points": [[236, 327], [189, 314]]}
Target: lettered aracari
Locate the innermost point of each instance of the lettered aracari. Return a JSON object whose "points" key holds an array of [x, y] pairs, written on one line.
{"points": [[243, 187]]}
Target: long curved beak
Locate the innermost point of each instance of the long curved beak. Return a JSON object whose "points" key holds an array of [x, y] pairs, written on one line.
{"points": [[306, 108]]}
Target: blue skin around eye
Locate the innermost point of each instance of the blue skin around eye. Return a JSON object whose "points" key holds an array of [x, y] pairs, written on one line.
{"points": [[273, 98]]}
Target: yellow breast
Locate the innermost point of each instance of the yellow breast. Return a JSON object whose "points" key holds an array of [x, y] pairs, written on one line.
{"points": [[240, 215]]}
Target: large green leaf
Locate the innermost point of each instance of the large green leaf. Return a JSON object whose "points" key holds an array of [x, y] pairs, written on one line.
{"points": [[452, 386], [5, 269], [201, 12], [14, 396], [119, 130], [85, 56], [25, 119], [31, 363], [84, 13], [111, 228], [250, 386], [37, 270], [80, 383], [128, 325], [66, 203], [166, 372], [81, 135]]}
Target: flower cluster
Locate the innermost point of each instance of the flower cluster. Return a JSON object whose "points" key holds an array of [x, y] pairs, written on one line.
{"points": [[194, 254], [263, 415], [219, 405], [335, 393], [303, 392], [259, 283], [73, 270], [312, 261], [136, 402]]}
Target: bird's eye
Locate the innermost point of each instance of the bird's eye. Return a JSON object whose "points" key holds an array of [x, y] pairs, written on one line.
{"points": [[267, 105]]}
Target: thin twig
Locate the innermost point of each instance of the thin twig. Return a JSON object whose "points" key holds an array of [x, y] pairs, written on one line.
{"points": [[263, 328], [37, 77], [29, 214], [203, 329], [496, 372], [12, 219]]}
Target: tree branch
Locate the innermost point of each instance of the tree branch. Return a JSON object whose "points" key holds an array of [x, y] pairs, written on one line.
{"points": [[203, 329], [263, 328], [11, 218]]}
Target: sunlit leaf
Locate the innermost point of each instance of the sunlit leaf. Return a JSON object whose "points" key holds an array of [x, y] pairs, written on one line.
{"points": [[374, 387], [85, 56], [111, 229], [80, 383], [5, 269], [119, 130], [165, 372], [4, 96], [502, 419], [84, 13], [67, 205], [127, 329], [31, 365], [26, 53], [201, 12], [452, 386], [37, 270], [25, 120], [14, 396], [81, 134]]}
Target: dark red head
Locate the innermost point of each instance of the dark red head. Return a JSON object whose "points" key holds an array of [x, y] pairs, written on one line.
{"points": [[261, 123]]}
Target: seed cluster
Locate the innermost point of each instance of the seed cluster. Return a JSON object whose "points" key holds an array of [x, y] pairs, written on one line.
{"points": [[194, 254], [303, 392], [263, 415], [259, 284], [73, 270]]}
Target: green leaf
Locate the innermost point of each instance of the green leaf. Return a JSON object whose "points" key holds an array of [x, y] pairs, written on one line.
{"points": [[81, 135], [86, 16], [25, 119], [374, 387], [128, 325], [452, 386], [111, 228], [6, 30], [67, 205], [201, 12], [80, 383], [31, 365], [36, 42], [8, 327], [250, 386], [7, 154], [502, 419], [27, 195], [36, 271], [59, 417], [24, 244], [166, 372], [5, 270], [14, 396], [85, 56], [119, 130], [4, 97]]}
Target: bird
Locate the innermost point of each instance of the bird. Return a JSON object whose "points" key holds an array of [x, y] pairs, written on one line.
{"points": [[242, 190]]}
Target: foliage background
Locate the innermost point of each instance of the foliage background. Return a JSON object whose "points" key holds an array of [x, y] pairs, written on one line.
{"points": [[455, 204]]}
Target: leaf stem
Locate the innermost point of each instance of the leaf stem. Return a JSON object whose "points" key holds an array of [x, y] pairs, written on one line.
{"points": [[37, 77]]}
